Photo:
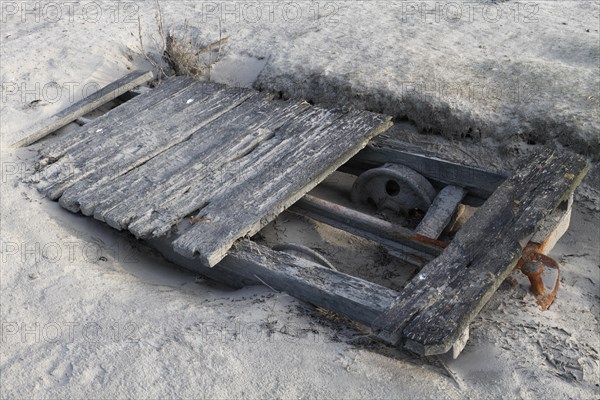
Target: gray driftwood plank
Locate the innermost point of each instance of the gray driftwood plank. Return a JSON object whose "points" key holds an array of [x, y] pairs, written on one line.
{"points": [[479, 183], [438, 304], [82, 107], [147, 183], [174, 123], [222, 181], [441, 211], [307, 154], [135, 110]]}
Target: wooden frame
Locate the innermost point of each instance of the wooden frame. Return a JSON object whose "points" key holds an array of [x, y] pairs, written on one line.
{"points": [[433, 312], [384, 310]]}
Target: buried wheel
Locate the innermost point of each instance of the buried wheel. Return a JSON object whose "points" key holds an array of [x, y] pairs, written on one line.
{"points": [[395, 188], [305, 253]]}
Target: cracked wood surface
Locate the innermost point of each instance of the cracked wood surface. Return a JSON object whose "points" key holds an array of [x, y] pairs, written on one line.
{"points": [[231, 158]]}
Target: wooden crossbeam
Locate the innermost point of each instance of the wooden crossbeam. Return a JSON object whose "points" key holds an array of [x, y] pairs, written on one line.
{"points": [[478, 182], [249, 263]]}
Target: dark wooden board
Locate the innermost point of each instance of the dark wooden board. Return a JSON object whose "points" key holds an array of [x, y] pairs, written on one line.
{"points": [[438, 304]]}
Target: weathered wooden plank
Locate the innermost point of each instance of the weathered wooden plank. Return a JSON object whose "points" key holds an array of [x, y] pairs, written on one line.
{"points": [[143, 185], [109, 155], [176, 121], [441, 211], [134, 111], [262, 159], [216, 180], [392, 236], [82, 107], [313, 152], [164, 190], [438, 304], [479, 183], [251, 263]]}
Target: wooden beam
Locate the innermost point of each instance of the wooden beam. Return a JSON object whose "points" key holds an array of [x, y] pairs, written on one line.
{"points": [[439, 303], [479, 183], [249, 263], [82, 107], [400, 241], [441, 211]]}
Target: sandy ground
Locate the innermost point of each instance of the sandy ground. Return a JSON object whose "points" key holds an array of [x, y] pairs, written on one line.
{"points": [[88, 312]]}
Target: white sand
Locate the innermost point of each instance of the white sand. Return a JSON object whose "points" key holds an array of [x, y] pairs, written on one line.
{"points": [[86, 312]]}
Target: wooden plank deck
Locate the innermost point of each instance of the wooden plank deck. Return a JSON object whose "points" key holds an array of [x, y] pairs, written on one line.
{"points": [[230, 158]]}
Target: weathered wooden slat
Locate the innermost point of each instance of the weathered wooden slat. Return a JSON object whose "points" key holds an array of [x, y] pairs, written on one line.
{"points": [[313, 153], [136, 110], [231, 175], [478, 182], [441, 211], [392, 236], [82, 107], [438, 304], [147, 183], [176, 121], [184, 178], [251, 263]]}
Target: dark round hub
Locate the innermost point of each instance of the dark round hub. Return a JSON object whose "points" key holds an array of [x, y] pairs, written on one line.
{"points": [[392, 188]]}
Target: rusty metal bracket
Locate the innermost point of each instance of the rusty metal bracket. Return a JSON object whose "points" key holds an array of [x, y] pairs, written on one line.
{"points": [[532, 264]]}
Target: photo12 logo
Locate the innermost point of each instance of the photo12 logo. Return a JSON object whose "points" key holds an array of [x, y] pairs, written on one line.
{"points": [[64, 251], [70, 11], [268, 11], [467, 11], [68, 332]]}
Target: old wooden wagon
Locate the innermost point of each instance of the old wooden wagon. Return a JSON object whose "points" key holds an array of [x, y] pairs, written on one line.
{"points": [[196, 169]]}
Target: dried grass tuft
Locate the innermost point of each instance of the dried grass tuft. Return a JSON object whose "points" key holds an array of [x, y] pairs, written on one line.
{"points": [[179, 54]]}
